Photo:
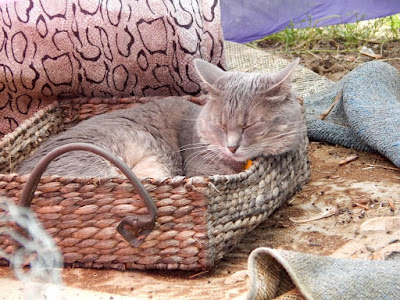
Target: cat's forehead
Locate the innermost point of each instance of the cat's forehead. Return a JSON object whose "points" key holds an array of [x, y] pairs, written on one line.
{"points": [[242, 96], [243, 83], [235, 77], [236, 97]]}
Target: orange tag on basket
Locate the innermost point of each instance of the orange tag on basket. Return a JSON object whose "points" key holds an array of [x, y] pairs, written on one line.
{"points": [[248, 164]]}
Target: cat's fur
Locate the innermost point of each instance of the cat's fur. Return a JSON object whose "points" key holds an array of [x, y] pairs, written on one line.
{"points": [[246, 115]]}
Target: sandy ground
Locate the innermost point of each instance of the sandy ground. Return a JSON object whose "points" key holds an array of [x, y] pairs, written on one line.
{"points": [[324, 218]]}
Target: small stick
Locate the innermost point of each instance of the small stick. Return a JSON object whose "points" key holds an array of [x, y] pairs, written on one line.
{"points": [[383, 167], [391, 204], [315, 55], [325, 114], [360, 205], [198, 274], [348, 159], [391, 58], [326, 214]]}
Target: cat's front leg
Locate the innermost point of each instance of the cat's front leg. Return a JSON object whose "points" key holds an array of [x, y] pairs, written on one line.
{"points": [[152, 167]]}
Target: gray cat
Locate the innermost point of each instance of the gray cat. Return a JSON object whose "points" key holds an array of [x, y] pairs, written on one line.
{"points": [[246, 115]]}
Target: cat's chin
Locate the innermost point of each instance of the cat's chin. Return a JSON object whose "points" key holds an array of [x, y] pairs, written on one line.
{"points": [[236, 157]]}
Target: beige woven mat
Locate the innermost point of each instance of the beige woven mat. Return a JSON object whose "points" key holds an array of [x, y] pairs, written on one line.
{"points": [[247, 59]]}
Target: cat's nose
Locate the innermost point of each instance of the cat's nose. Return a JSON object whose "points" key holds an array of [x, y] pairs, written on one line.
{"points": [[232, 149]]}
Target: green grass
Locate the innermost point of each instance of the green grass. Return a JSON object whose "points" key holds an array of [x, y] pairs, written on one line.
{"points": [[348, 37]]}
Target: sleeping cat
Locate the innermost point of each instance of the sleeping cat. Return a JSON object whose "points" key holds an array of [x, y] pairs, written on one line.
{"points": [[246, 115]]}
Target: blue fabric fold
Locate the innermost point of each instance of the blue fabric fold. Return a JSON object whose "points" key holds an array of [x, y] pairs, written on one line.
{"points": [[367, 115]]}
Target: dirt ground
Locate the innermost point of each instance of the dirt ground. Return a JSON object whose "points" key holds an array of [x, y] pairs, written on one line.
{"points": [[331, 62]]}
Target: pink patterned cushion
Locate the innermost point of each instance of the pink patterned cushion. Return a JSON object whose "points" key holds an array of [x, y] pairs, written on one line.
{"points": [[51, 49]]}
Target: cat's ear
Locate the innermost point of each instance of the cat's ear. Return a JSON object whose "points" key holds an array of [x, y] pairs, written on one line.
{"points": [[281, 80], [208, 72]]}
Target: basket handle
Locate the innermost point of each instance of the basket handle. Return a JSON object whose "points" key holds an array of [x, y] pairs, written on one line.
{"points": [[141, 225]]}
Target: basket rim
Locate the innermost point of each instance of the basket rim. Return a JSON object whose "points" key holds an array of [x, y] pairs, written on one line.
{"points": [[10, 137], [194, 182]]}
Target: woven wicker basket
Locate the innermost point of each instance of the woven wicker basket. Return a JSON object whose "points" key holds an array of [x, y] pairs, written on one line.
{"points": [[198, 219]]}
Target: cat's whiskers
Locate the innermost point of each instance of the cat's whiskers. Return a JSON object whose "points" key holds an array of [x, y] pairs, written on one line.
{"points": [[217, 153], [192, 156], [298, 130], [210, 148], [194, 144], [287, 124], [192, 147]]}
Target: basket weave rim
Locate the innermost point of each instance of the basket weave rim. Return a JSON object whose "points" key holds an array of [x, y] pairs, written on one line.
{"points": [[195, 181], [9, 138]]}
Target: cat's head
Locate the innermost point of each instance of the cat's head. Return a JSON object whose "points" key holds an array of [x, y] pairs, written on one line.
{"points": [[249, 114]]}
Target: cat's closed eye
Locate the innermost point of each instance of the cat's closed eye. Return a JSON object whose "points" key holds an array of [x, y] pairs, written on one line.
{"points": [[248, 125], [222, 127]]}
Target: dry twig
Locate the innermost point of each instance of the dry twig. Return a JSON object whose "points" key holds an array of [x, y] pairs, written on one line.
{"points": [[327, 213], [198, 274], [335, 101], [360, 205], [391, 204], [383, 167], [348, 159]]}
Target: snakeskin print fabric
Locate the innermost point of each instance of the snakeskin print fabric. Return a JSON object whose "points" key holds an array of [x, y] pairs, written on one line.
{"points": [[101, 48]]}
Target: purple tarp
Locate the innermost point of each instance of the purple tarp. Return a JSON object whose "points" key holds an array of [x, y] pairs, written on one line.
{"points": [[249, 20]]}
